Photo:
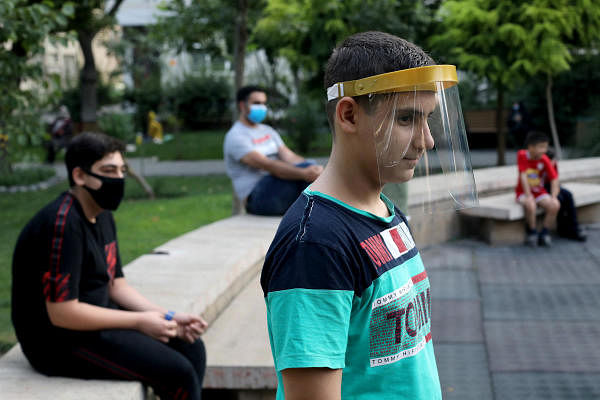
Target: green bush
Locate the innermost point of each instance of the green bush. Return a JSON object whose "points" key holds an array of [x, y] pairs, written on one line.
{"points": [[26, 176], [200, 101], [107, 94], [147, 97], [304, 122], [118, 125]]}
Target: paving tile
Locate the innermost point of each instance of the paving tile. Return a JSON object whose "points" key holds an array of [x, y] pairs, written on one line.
{"points": [[456, 321], [543, 346], [463, 371], [546, 386], [537, 266], [448, 256], [453, 284], [550, 302]]}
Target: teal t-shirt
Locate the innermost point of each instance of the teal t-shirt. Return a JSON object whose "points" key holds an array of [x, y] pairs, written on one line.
{"points": [[347, 289]]}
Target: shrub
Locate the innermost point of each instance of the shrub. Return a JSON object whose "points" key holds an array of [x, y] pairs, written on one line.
{"points": [[201, 101], [147, 97], [304, 121], [117, 125], [107, 94]]}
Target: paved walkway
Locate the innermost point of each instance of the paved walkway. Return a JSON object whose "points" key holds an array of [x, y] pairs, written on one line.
{"points": [[515, 322], [153, 167]]}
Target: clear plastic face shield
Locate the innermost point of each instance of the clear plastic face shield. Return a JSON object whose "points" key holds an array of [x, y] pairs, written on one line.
{"points": [[422, 154]]}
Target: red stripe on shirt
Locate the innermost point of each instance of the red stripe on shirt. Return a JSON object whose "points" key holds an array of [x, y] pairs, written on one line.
{"points": [[52, 279], [418, 278]]}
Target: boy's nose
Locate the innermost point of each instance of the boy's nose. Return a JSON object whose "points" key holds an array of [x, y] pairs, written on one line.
{"points": [[424, 141]]}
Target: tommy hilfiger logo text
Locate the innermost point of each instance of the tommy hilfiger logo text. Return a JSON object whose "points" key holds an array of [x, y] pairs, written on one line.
{"points": [[400, 322], [388, 245]]}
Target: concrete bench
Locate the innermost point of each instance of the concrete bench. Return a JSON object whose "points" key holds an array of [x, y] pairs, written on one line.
{"points": [[199, 272], [499, 219], [241, 359]]}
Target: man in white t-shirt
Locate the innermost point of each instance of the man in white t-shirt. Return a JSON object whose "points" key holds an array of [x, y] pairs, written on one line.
{"points": [[266, 174]]}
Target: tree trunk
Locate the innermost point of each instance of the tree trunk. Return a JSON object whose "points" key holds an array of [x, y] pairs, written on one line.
{"points": [[501, 132], [143, 183], [89, 81], [5, 164], [241, 39], [550, 107]]}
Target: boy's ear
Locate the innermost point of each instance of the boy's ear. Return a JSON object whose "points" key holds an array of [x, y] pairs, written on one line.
{"points": [[346, 112], [78, 176]]}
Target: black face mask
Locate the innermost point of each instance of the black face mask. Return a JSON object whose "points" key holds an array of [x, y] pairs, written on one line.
{"points": [[110, 194]]}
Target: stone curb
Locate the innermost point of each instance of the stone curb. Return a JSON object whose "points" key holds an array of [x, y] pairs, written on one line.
{"points": [[33, 187]]}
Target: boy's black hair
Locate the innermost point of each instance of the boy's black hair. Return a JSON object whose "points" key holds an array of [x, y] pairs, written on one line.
{"points": [[535, 137], [367, 54], [244, 92], [87, 148]]}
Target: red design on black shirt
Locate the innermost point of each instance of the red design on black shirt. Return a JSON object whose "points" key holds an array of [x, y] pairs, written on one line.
{"points": [[55, 284], [111, 258]]}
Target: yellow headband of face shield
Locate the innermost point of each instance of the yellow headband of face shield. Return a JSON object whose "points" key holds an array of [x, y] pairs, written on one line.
{"points": [[405, 80]]}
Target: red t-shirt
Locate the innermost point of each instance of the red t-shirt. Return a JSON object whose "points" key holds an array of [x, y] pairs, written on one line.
{"points": [[537, 171]]}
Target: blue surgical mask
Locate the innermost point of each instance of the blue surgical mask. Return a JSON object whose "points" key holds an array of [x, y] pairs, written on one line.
{"points": [[257, 113]]}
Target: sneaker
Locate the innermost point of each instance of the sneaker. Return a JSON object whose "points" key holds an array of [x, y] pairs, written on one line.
{"points": [[544, 240], [531, 240]]}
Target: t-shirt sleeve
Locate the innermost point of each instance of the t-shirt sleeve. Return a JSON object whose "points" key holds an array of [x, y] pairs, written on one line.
{"points": [[550, 170], [238, 145], [309, 301], [522, 161], [276, 137], [60, 280]]}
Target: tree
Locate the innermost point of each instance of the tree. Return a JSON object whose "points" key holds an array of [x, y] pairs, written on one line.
{"points": [[305, 31], [506, 42], [25, 26], [217, 28], [91, 16], [559, 29]]}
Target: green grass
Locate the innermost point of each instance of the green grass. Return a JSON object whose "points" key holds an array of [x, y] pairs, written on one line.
{"points": [[202, 145], [208, 145], [196, 145], [183, 204]]}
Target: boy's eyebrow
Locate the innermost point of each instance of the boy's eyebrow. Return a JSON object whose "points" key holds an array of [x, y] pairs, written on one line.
{"points": [[111, 166], [413, 111]]}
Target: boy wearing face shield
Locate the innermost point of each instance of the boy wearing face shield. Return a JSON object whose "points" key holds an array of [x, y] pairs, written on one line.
{"points": [[348, 298], [73, 311], [267, 176]]}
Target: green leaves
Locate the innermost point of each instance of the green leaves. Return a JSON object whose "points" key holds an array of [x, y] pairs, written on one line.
{"points": [[25, 27], [519, 38]]}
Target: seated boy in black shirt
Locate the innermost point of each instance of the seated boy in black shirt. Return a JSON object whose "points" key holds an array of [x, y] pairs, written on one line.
{"points": [[73, 311]]}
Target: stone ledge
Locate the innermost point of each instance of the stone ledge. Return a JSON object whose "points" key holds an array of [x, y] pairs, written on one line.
{"points": [[499, 219], [504, 206], [241, 358], [19, 381]]}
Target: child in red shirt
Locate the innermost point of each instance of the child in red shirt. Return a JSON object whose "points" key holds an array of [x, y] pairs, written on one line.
{"points": [[534, 166]]}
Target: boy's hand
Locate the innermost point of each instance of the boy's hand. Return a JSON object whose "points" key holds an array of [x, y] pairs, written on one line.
{"points": [[154, 324], [312, 172], [189, 327]]}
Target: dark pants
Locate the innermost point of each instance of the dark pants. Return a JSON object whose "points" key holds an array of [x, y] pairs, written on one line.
{"points": [[273, 196], [174, 370]]}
